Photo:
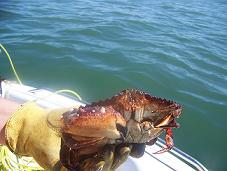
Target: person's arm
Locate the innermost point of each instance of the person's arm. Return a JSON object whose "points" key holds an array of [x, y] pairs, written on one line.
{"points": [[7, 107], [24, 129]]}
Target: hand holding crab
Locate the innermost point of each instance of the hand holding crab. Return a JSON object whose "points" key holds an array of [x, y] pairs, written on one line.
{"points": [[27, 133], [122, 124]]}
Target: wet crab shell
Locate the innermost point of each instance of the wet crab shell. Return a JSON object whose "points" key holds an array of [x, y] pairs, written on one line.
{"points": [[131, 116], [139, 105], [93, 122]]}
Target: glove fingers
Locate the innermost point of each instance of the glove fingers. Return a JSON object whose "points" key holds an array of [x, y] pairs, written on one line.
{"points": [[101, 162], [91, 164], [151, 142], [122, 152], [137, 150], [108, 157]]}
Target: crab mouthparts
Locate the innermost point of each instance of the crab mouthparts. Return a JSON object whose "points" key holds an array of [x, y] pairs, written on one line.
{"points": [[168, 122]]}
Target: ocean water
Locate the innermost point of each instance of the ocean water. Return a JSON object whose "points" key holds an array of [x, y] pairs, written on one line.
{"points": [[172, 49]]}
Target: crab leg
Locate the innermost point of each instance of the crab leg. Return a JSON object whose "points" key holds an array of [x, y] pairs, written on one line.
{"points": [[168, 140], [80, 142]]}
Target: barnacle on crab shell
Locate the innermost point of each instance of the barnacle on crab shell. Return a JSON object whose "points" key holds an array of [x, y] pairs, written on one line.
{"points": [[130, 117]]}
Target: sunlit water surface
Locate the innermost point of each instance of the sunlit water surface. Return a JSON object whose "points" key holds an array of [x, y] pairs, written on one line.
{"points": [[172, 49]]}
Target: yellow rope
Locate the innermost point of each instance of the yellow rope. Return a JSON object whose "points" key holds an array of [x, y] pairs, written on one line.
{"points": [[22, 164], [68, 91], [11, 63], [58, 92], [20, 82], [6, 163]]}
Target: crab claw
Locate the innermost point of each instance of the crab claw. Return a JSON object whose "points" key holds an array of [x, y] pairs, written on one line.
{"points": [[168, 140], [93, 122], [94, 125]]}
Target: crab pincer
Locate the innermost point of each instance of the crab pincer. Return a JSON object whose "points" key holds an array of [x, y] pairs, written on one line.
{"points": [[130, 117]]}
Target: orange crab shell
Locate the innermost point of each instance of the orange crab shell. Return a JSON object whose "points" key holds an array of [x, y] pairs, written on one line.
{"points": [[93, 122]]}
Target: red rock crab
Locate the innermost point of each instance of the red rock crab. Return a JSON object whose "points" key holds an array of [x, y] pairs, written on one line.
{"points": [[131, 116]]}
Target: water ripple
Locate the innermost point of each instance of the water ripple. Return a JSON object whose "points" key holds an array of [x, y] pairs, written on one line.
{"points": [[174, 49]]}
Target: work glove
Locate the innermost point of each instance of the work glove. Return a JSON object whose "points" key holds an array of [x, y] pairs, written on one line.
{"points": [[109, 158], [28, 134]]}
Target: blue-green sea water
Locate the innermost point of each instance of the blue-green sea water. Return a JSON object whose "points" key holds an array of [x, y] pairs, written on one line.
{"points": [[172, 49]]}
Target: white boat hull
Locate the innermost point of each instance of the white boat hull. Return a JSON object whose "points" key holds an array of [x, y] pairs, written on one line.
{"points": [[172, 160]]}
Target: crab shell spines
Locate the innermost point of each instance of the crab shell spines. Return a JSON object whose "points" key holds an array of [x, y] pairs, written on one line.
{"points": [[138, 116], [137, 108], [139, 105], [131, 116]]}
